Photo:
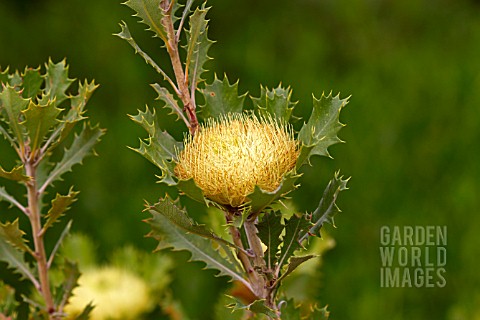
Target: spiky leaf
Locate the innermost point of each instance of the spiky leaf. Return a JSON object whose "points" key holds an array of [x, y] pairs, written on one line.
{"points": [[56, 83], [59, 206], [294, 228], [81, 147], [85, 315], [11, 106], [221, 98], [39, 120], [15, 79], [4, 195], [11, 233], [148, 120], [198, 45], [59, 242], [160, 147], [78, 102], [76, 112], [8, 304], [257, 307], [221, 312], [327, 208], [4, 76], [294, 263], [126, 35], [151, 14], [14, 259], [261, 199], [16, 174], [320, 313], [269, 231], [169, 100], [190, 188], [291, 311], [170, 235], [276, 102], [32, 82], [71, 274], [321, 130], [179, 217]]}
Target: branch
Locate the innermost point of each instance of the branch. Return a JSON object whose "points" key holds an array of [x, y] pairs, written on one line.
{"points": [[255, 244], [241, 254], [172, 48], [182, 21]]}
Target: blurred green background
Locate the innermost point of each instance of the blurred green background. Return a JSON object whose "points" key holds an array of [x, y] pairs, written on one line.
{"points": [[413, 129]]}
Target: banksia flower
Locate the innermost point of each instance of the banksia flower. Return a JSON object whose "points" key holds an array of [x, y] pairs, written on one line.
{"points": [[229, 156], [116, 293]]}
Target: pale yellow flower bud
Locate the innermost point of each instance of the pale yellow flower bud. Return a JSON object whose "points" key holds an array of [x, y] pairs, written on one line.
{"points": [[116, 294], [227, 157]]}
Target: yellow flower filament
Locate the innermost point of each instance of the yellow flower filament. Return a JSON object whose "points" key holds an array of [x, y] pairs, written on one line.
{"points": [[230, 155]]}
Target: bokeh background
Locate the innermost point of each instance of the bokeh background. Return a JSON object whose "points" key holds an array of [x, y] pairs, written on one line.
{"points": [[413, 129]]}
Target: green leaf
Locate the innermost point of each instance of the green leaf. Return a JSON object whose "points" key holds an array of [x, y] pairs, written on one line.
{"points": [[222, 312], [11, 233], [185, 12], [190, 188], [11, 106], [260, 199], [179, 217], [291, 311], [85, 315], [16, 174], [32, 82], [4, 76], [198, 45], [4, 195], [221, 98], [327, 208], [170, 235], [71, 274], [8, 303], [6, 135], [170, 101], [320, 313], [59, 206], [321, 130], [15, 79], [75, 113], [59, 242], [56, 83], [78, 102], [294, 227], [269, 232], [81, 147], [148, 120], [257, 307], [39, 120], [160, 148], [151, 14], [293, 264], [126, 35], [14, 259], [276, 102]]}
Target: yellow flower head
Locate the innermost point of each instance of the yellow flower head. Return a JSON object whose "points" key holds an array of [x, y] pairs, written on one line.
{"points": [[227, 157], [115, 293]]}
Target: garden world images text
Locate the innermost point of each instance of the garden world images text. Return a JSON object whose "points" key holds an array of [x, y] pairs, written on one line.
{"points": [[413, 256]]}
